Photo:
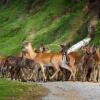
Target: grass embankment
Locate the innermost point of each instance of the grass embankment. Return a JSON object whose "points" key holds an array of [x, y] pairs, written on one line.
{"points": [[13, 90], [48, 22]]}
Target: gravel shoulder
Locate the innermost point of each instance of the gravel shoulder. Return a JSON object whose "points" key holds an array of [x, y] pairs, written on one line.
{"points": [[72, 91]]}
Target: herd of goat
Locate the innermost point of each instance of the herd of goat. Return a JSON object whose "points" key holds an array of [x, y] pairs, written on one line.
{"points": [[44, 65]]}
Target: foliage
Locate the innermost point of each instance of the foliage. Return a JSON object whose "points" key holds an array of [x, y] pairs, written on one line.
{"points": [[13, 88], [47, 22]]}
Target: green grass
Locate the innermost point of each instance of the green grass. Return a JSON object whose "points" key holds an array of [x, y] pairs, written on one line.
{"points": [[34, 21], [16, 89], [58, 30]]}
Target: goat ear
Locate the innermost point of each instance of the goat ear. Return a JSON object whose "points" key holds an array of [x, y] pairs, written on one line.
{"points": [[68, 45], [61, 46], [82, 48], [34, 49], [94, 46], [25, 42]]}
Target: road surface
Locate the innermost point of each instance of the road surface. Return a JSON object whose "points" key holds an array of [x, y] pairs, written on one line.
{"points": [[72, 91]]}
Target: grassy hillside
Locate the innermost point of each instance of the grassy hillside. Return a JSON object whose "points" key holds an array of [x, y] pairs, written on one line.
{"points": [[47, 22]]}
